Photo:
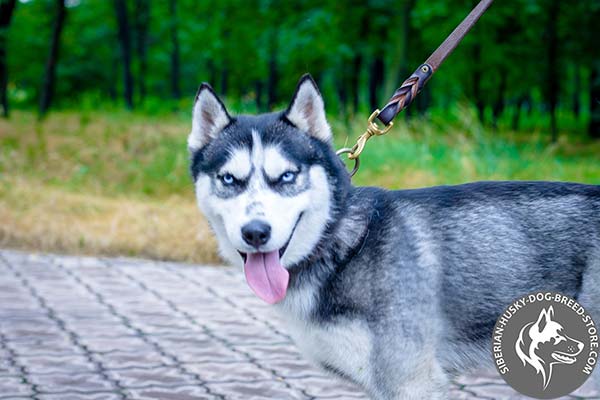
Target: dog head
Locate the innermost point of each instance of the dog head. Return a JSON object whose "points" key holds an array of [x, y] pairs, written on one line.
{"points": [[268, 184], [544, 343]]}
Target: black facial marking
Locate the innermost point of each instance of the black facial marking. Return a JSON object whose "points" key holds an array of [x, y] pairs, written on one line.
{"points": [[224, 191], [289, 189]]}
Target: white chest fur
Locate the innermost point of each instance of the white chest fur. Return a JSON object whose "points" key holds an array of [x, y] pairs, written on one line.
{"points": [[344, 346]]}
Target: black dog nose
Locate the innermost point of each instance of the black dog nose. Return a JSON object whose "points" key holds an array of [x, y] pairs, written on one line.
{"points": [[256, 233]]}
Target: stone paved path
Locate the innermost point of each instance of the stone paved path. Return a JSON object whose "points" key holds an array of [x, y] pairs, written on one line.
{"points": [[103, 329]]}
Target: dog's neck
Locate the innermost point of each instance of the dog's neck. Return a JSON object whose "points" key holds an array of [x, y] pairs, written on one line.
{"points": [[341, 242]]}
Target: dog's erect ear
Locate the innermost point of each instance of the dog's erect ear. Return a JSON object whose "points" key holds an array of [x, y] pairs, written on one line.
{"points": [[307, 110], [209, 117], [544, 318]]}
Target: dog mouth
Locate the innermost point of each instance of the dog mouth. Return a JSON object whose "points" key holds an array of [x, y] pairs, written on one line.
{"points": [[265, 275], [563, 357], [282, 250]]}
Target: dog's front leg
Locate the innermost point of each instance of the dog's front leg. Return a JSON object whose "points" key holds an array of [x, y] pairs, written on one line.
{"points": [[414, 378]]}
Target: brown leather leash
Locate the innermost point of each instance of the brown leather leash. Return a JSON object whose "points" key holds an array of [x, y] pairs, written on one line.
{"points": [[409, 89]]}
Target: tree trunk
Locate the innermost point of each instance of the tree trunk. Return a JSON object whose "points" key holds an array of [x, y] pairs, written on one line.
{"points": [[516, 118], [142, 20], [341, 84], [114, 78], [478, 97], [422, 101], [212, 72], [224, 79], [175, 91], [398, 69], [258, 87], [498, 107], [50, 72], [273, 79], [577, 92], [6, 10], [124, 39], [552, 78], [355, 82], [594, 126], [375, 82]]}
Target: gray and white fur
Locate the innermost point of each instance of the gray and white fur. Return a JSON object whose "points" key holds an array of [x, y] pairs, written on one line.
{"points": [[393, 290]]}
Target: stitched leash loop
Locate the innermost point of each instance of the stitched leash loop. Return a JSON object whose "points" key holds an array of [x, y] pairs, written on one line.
{"points": [[406, 93]]}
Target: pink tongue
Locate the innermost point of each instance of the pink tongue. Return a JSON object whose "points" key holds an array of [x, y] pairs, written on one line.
{"points": [[266, 276]]}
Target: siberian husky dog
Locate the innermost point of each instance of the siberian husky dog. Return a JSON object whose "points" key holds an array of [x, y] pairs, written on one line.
{"points": [[392, 290]]}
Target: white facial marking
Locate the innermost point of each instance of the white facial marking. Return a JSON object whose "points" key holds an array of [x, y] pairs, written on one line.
{"points": [[275, 164], [314, 219], [258, 156], [238, 164]]}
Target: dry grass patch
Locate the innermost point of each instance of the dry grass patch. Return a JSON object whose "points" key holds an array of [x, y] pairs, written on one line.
{"points": [[42, 218], [117, 183]]}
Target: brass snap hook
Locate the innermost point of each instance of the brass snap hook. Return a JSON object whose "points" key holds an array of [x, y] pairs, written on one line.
{"points": [[372, 130], [349, 151]]}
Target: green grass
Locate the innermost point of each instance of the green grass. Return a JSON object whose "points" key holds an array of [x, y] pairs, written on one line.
{"points": [[117, 182], [133, 154], [421, 153]]}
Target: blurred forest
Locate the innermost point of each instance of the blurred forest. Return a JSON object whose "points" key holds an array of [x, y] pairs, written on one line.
{"points": [[524, 56], [98, 96]]}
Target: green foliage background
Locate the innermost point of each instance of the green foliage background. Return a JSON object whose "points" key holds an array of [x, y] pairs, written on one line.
{"points": [[244, 47]]}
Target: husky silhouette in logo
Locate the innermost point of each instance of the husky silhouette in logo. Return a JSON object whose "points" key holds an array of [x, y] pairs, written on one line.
{"points": [[543, 343]]}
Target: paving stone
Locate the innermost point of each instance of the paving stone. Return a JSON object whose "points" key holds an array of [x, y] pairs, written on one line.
{"points": [[166, 327], [80, 396], [267, 352], [493, 391], [60, 347], [103, 329], [31, 334], [44, 323], [220, 372], [14, 386], [8, 314], [179, 393], [256, 391], [95, 328], [202, 349], [250, 335], [123, 360], [325, 387], [297, 368], [63, 382], [161, 376], [51, 364], [119, 343], [6, 368], [15, 397]]}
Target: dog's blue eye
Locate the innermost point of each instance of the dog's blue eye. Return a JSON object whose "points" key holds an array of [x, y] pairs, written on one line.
{"points": [[288, 177], [227, 179]]}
